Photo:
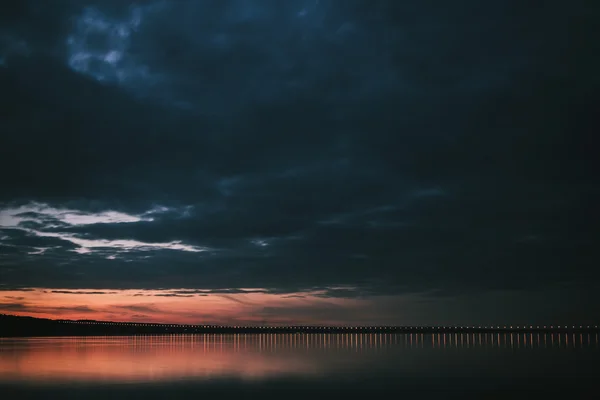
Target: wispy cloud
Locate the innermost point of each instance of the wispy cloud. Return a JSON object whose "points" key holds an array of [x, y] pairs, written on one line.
{"points": [[87, 245], [37, 309], [43, 213], [80, 292], [37, 219]]}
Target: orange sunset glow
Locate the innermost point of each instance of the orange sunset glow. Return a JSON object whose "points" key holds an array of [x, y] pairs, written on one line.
{"points": [[174, 306]]}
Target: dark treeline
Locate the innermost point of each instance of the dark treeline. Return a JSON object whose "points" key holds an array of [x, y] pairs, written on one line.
{"points": [[15, 326]]}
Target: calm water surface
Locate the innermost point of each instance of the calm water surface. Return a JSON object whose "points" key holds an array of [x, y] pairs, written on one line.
{"points": [[322, 365]]}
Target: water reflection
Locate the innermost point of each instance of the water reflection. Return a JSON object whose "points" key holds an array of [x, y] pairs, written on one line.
{"points": [[256, 356]]}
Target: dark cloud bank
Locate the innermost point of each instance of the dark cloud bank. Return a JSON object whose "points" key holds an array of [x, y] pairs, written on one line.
{"points": [[386, 146]]}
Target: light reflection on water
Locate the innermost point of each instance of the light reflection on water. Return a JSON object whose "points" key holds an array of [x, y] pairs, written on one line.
{"points": [[139, 359]]}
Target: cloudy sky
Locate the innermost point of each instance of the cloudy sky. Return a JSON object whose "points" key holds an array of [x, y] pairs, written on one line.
{"points": [[300, 161]]}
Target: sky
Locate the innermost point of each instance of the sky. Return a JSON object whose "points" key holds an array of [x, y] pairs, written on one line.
{"points": [[300, 162]]}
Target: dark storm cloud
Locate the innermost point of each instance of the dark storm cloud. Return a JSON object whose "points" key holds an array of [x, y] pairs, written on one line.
{"points": [[357, 147]]}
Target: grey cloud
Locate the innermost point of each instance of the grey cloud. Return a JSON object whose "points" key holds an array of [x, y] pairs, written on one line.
{"points": [[13, 307], [79, 292], [143, 308], [236, 300], [141, 317], [24, 307]]}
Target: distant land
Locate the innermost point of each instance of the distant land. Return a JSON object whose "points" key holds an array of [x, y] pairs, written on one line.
{"points": [[18, 326]]}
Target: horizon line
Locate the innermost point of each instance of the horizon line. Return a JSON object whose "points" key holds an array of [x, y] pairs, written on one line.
{"points": [[494, 327]]}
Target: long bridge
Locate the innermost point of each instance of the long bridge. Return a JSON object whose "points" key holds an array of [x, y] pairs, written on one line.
{"points": [[183, 328], [13, 325]]}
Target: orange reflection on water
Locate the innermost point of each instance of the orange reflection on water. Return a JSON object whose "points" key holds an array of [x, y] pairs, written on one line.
{"points": [[135, 359], [240, 356]]}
